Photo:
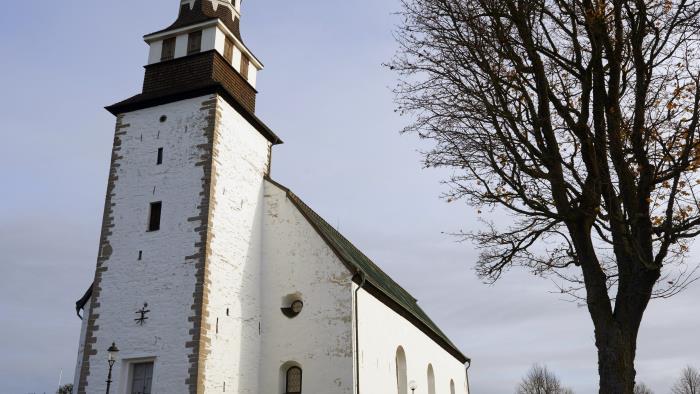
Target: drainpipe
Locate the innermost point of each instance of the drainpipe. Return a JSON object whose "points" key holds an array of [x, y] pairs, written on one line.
{"points": [[469, 364], [357, 333]]}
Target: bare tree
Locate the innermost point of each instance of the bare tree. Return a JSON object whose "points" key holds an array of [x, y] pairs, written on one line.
{"points": [[65, 389], [688, 383], [581, 119], [641, 388], [540, 380]]}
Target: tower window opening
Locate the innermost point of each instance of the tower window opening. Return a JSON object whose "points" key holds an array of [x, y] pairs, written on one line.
{"points": [[228, 50], [140, 255], [194, 42], [245, 64], [159, 160], [154, 216], [168, 51]]}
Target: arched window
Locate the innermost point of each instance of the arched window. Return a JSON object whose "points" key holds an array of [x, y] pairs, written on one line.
{"points": [[452, 387], [293, 380], [401, 377], [431, 379]]}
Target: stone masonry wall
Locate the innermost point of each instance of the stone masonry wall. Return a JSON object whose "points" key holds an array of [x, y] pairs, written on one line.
{"points": [[299, 264], [231, 323], [168, 277]]}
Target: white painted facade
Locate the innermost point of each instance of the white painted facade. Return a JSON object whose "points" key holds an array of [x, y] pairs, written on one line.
{"points": [[264, 254], [381, 333], [240, 163], [247, 247], [81, 349], [299, 265], [162, 278]]}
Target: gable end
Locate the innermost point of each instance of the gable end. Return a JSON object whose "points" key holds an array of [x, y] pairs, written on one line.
{"points": [[376, 282]]}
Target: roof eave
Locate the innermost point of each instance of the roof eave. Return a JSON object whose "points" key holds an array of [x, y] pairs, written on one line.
{"points": [[125, 106], [376, 291]]}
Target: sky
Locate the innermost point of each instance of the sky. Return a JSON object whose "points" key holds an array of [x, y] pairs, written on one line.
{"points": [[325, 92]]}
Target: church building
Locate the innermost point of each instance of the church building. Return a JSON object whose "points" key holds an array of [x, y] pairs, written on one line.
{"points": [[213, 278]]}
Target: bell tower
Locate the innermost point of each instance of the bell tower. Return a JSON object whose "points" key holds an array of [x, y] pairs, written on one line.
{"points": [[177, 283]]}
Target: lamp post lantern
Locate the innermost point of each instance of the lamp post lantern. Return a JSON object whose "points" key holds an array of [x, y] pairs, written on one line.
{"points": [[413, 386], [111, 359]]}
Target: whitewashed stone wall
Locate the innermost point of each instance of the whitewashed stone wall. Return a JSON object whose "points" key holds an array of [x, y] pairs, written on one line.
{"points": [[163, 278], [241, 161], [261, 254], [381, 332], [81, 347], [298, 263]]}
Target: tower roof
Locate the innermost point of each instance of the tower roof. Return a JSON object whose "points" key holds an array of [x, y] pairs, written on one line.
{"points": [[193, 12]]}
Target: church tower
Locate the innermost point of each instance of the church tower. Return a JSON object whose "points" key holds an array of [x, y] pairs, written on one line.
{"points": [[177, 284]]}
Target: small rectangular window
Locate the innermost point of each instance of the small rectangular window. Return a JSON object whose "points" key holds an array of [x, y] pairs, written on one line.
{"points": [[228, 50], [168, 49], [194, 42], [159, 160], [154, 216], [141, 378], [245, 63]]}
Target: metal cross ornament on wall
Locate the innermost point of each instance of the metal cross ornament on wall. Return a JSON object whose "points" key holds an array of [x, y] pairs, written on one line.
{"points": [[142, 319]]}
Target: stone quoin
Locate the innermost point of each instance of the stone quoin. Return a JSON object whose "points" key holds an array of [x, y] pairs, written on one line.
{"points": [[211, 277]]}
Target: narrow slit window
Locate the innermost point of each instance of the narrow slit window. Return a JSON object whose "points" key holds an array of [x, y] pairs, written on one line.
{"points": [[159, 160], [168, 51], [228, 50], [154, 217], [194, 42], [245, 64]]}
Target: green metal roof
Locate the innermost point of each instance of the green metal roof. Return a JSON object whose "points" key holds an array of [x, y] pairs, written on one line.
{"points": [[358, 262]]}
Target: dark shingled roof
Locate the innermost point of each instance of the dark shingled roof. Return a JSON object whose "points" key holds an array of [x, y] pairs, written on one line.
{"points": [[358, 262], [203, 11]]}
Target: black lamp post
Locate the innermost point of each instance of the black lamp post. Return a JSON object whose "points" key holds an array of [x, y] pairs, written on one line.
{"points": [[111, 359], [413, 386]]}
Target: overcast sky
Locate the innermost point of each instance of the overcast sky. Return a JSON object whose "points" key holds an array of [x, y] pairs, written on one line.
{"points": [[326, 94]]}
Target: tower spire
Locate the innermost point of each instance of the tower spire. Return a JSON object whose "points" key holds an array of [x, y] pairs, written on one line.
{"points": [[200, 11], [201, 52]]}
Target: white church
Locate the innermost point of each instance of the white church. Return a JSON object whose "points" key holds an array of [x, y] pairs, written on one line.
{"points": [[213, 278]]}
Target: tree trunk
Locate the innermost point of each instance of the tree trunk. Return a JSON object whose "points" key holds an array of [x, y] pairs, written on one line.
{"points": [[616, 353], [616, 335]]}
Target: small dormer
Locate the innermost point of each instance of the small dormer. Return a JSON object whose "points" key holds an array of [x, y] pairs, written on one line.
{"points": [[201, 26]]}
